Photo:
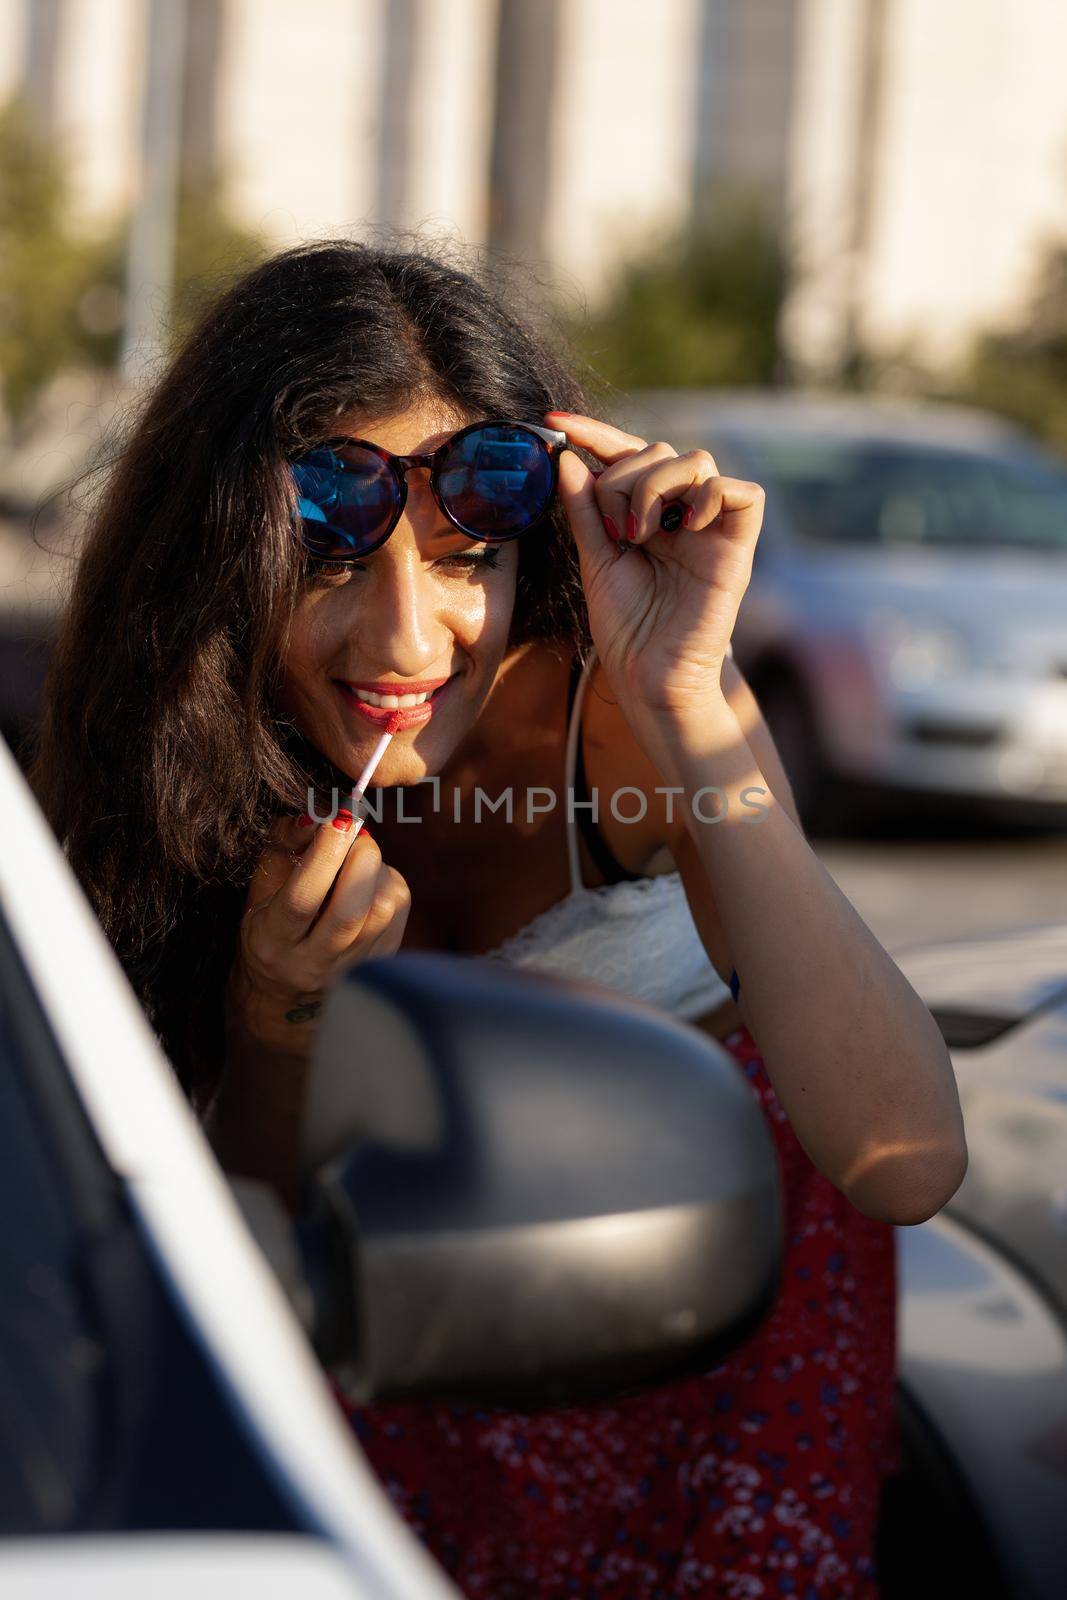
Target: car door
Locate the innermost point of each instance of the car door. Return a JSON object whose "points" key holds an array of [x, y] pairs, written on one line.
{"points": [[161, 1411]]}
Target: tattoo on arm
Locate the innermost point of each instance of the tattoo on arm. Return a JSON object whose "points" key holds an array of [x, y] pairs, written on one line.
{"points": [[304, 1011]]}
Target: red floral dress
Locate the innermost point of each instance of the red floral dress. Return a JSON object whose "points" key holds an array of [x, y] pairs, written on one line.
{"points": [[758, 1477]]}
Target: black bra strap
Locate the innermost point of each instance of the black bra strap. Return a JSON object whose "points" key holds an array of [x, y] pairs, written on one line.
{"points": [[610, 869]]}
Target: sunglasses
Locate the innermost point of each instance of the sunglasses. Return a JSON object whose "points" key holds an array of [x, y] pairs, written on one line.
{"points": [[492, 480]]}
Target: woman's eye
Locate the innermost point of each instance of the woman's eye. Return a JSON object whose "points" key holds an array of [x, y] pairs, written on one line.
{"points": [[470, 559], [327, 571], [461, 560]]}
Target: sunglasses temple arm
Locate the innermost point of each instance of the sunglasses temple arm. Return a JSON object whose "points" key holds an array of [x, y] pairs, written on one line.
{"points": [[549, 435]]}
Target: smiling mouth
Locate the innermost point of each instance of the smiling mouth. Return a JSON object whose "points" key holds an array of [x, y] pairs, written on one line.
{"points": [[393, 702], [410, 710]]}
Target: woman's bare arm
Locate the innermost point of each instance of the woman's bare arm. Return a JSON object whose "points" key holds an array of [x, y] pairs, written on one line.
{"points": [[854, 1055]]}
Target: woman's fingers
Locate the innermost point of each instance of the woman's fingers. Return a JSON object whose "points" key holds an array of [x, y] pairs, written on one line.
{"points": [[617, 485], [369, 900], [593, 511], [599, 438], [601, 504], [339, 893], [299, 899], [679, 478], [577, 490], [630, 496], [334, 903], [730, 505], [309, 902], [285, 841]]}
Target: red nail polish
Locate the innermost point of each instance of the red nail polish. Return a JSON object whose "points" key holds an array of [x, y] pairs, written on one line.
{"points": [[559, 413], [687, 519], [631, 526], [343, 821], [304, 820], [612, 530]]}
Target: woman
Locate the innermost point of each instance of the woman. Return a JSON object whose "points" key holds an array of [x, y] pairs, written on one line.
{"points": [[246, 630]]}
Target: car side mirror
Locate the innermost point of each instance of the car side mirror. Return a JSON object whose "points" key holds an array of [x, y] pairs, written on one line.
{"points": [[526, 1189]]}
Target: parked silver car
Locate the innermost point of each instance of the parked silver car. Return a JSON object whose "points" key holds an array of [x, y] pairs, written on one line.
{"points": [[983, 1331], [905, 628]]}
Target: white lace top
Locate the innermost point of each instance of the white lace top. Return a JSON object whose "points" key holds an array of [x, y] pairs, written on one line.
{"points": [[639, 937]]}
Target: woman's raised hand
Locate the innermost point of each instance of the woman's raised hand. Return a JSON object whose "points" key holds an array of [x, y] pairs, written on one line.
{"points": [[662, 606], [321, 900]]}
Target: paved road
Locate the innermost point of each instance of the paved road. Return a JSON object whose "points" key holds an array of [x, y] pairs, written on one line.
{"points": [[914, 889]]}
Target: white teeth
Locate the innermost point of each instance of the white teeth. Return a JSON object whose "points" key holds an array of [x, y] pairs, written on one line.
{"points": [[390, 702]]}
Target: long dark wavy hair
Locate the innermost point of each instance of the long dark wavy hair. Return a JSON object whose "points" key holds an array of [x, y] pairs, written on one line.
{"points": [[162, 761]]}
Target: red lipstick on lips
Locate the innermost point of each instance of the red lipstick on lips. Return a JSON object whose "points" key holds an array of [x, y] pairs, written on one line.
{"points": [[402, 716], [426, 687]]}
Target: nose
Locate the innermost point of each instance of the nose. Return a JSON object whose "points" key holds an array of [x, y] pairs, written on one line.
{"points": [[402, 626]]}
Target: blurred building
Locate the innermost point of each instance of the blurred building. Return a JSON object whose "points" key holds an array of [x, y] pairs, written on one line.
{"points": [[914, 155], [927, 169], [546, 130]]}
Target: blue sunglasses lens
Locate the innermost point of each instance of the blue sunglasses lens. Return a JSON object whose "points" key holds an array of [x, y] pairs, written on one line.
{"points": [[497, 480], [347, 498]]}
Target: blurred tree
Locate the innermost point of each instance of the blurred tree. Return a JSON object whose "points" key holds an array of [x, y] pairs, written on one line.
{"points": [[42, 267], [1022, 370], [61, 294], [210, 248], [701, 308]]}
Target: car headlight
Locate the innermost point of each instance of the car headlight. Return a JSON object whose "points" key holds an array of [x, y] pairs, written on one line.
{"points": [[915, 652]]}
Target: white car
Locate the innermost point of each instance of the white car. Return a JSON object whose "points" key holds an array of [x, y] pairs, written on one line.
{"points": [[905, 626], [166, 1423]]}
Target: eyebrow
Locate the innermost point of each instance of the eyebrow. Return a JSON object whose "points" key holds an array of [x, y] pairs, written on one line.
{"points": [[426, 448]]}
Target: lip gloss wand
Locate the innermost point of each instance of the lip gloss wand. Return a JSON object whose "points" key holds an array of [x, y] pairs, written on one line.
{"points": [[368, 771]]}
